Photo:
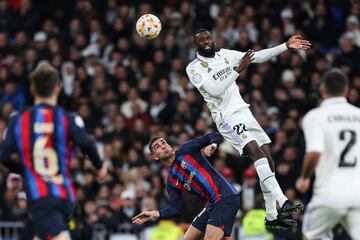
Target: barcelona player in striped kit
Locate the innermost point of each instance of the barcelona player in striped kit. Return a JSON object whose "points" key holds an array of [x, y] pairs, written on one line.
{"points": [[43, 136], [191, 172]]}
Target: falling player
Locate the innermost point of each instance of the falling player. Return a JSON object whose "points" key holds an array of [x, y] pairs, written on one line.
{"points": [[333, 151], [42, 136], [214, 74], [191, 172]]}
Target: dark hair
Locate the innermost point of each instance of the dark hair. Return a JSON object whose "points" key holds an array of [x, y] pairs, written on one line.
{"points": [[200, 30], [151, 143], [44, 79], [335, 81]]}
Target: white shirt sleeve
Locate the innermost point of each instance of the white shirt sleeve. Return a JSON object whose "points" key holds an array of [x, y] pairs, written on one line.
{"points": [[208, 83], [196, 77], [314, 134], [266, 54], [260, 56]]}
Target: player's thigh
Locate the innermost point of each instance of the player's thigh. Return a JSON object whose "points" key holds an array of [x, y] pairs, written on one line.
{"points": [[240, 128], [222, 215], [199, 223], [213, 233], [49, 220], [193, 233], [352, 223], [319, 221]]}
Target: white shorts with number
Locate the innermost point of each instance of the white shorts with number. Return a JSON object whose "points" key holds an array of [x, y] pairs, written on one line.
{"points": [[239, 128], [320, 220]]}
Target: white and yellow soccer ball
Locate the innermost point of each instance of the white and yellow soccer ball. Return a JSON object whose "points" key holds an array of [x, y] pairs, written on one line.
{"points": [[148, 26]]}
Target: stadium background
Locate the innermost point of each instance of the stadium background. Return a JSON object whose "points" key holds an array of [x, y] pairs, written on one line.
{"points": [[128, 89]]}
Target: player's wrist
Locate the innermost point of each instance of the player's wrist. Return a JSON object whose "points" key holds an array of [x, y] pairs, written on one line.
{"points": [[155, 214]]}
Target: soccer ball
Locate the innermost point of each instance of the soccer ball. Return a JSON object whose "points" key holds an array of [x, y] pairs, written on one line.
{"points": [[148, 26]]}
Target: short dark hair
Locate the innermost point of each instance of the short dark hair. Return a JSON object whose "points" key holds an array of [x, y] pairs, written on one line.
{"points": [[44, 79], [200, 30], [151, 143], [335, 81]]}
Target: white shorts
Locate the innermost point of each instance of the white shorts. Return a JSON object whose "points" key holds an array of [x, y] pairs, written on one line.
{"points": [[320, 220], [239, 128]]}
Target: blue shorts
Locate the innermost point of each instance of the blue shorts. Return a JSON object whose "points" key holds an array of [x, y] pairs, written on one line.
{"points": [[221, 214], [50, 216]]}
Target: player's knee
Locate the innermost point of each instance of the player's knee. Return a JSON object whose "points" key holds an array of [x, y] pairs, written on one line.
{"points": [[254, 151], [64, 235]]}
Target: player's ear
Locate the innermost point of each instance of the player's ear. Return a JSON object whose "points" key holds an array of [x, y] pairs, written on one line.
{"points": [[155, 157], [57, 89], [32, 89], [346, 91], [322, 90]]}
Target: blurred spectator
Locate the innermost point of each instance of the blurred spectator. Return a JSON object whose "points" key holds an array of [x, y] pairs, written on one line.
{"points": [[128, 89]]}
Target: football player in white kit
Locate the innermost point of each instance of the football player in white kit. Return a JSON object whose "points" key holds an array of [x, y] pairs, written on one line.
{"points": [[214, 73], [333, 151]]}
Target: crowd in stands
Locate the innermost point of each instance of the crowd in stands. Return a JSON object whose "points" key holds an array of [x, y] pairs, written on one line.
{"points": [[128, 89]]}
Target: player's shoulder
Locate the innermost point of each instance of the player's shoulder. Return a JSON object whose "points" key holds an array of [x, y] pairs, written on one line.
{"points": [[192, 65], [313, 114]]}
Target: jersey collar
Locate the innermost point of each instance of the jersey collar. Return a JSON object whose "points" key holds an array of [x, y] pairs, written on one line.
{"points": [[333, 100]]}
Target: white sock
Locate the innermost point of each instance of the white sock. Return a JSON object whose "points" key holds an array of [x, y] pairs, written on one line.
{"points": [[268, 179], [270, 203]]}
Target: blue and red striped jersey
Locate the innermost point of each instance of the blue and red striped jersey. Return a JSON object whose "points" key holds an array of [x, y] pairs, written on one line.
{"points": [[43, 137], [191, 172]]}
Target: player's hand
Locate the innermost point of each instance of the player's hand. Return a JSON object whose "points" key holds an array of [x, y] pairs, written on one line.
{"points": [[209, 150], [145, 216], [303, 184], [246, 60], [103, 172], [295, 42]]}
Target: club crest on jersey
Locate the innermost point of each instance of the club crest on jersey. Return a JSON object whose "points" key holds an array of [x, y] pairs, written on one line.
{"points": [[187, 186], [226, 60], [183, 165], [204, 64]]}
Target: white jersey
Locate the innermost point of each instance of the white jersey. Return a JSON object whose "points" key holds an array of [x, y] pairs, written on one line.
{"points": [[333, 129], [217, 68], [219, 71]]}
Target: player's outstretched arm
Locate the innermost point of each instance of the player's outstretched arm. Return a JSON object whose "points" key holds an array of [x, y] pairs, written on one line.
{"points": [[295, 42], [145, 216], [201, 142]]}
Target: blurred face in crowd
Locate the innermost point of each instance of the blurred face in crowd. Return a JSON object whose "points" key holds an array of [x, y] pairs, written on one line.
{"points": [[205, 44], [161, 149]]}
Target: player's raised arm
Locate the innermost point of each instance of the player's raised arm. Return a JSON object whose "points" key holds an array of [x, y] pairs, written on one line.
{"points": [[199, 143], [295, 42]]}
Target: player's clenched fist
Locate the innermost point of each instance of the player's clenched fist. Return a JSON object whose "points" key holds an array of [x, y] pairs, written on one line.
{"points": [[145, 216]]}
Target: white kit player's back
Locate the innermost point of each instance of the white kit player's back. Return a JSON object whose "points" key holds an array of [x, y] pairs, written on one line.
{"points": [[336, 125]]}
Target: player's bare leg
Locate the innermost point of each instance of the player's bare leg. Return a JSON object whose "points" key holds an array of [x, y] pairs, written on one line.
{"points": [[193, 234], [213, 233]]}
